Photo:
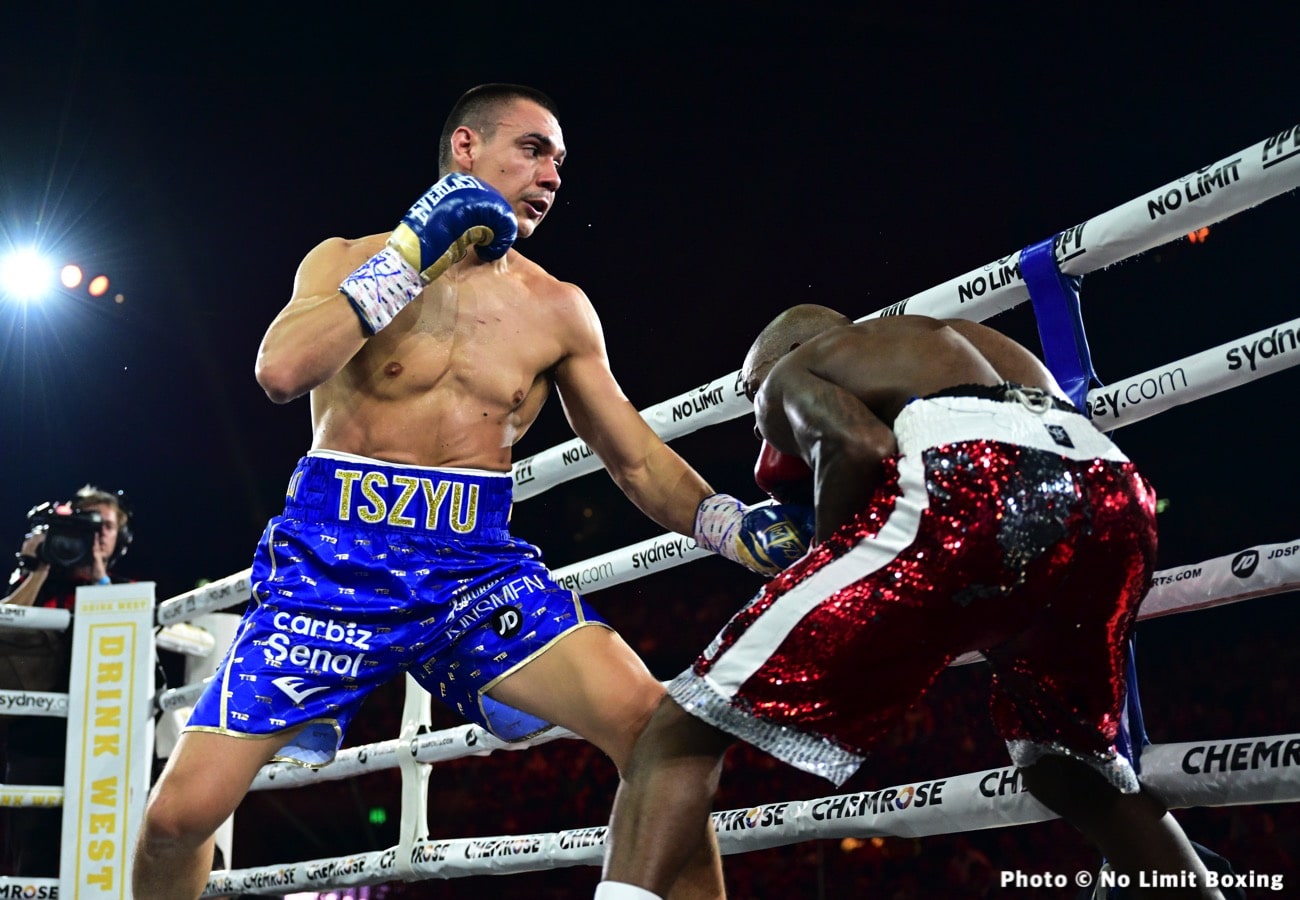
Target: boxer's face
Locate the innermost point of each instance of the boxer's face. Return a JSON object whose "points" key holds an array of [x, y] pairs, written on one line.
{"points": [[522, 160]]}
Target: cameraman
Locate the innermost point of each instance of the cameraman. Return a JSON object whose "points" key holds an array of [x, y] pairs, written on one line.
{"points": [[89, 535]]}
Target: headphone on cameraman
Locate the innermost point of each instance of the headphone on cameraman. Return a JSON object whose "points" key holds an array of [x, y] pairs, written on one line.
{"points": [[124, 533]]}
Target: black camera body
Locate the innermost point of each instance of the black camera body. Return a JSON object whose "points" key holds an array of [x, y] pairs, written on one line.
{"points": [[69, 533]]}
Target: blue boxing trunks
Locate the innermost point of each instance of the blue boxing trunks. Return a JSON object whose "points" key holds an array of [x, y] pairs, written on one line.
{"points": [[373, 570]]}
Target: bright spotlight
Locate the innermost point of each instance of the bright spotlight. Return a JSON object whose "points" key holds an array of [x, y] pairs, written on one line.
{"points": [[70, 276], [25, 274]]}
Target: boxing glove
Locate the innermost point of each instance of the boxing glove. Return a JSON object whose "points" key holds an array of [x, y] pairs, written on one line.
{"points": [[783, 477], [764, 539], [458, 212]]}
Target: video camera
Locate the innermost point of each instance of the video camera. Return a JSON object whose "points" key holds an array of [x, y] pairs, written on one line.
{"points": [[69, 533]]}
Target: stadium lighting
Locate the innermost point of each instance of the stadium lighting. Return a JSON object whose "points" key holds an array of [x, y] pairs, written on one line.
{"points": [[25, 274]]}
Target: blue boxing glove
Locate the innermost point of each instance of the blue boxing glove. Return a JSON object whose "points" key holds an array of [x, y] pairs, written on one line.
{"points": [[764, 539], [437, 232]]}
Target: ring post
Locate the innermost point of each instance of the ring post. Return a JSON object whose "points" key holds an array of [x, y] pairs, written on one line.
{"points": [[417, 716]]}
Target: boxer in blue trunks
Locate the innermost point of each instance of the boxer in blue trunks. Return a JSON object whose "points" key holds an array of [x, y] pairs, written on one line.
{"points": [[962, 503], [425, 363], [348, 599]]}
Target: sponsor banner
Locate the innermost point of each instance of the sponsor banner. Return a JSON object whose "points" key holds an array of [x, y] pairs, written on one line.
{"points": [[759, 827], [940, 806], [348, 763], [374, 867], [1208, 372], [459, 742], [1203, 197], [1207, 773], [29, 888], [1208, 195], [578, 846], [431, 747], [33, 703], [502, 855], [217, 595], [31, 795], [1253, 572], [1228, 772], [718, 401], [34, 617], [110, 715], [629, 563]]}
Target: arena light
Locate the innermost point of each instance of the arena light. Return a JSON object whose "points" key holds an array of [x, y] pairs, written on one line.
{"points": [[25, 274]]}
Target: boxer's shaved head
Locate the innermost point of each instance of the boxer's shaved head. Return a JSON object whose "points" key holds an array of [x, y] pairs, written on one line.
{"points": [[795, 326]]}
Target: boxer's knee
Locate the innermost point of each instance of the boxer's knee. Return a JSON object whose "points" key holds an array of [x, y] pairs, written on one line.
{"points": [[173, 822], [674, 734]]}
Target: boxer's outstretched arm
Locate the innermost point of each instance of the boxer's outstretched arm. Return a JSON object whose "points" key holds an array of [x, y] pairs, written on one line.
{"points": [[652, 475]]}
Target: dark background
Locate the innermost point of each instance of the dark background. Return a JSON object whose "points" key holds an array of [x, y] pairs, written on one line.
{"points": [[724, 163]]}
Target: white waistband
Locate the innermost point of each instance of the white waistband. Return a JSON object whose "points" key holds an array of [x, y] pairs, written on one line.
{"points": [[935, 421], [353, 457]]}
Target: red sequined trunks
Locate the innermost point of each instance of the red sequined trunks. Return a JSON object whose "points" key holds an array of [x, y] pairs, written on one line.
{"points": [[1008, 526]]}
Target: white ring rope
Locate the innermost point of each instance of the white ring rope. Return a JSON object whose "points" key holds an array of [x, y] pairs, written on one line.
{"points": [[1243, 771], [1112, 406], [1238, 182], [1254, 770], [1253, 572]]}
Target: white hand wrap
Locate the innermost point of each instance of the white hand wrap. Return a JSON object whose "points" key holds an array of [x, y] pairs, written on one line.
{"points": [[381, 287], [717, 520]]}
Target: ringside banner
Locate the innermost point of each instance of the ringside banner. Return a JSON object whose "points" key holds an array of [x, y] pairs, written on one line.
{"points": [[110, 714]]}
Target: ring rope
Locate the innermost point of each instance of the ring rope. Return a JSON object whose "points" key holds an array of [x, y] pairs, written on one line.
{"points": [[1179, 771], [1254, 770], [1258, 571], [1255, 572], [1112, 406], [1236, 183], [1208, 195]]}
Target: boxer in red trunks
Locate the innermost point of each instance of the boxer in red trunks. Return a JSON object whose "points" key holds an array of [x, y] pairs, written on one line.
{"points": [[962, 503]]}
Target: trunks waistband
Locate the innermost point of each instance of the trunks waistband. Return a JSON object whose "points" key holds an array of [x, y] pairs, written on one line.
{"points": [[1006, 414], [1008, 392], [369, 493]]}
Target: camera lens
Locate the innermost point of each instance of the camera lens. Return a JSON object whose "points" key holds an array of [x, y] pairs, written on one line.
{"points": [[66, 550]]}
